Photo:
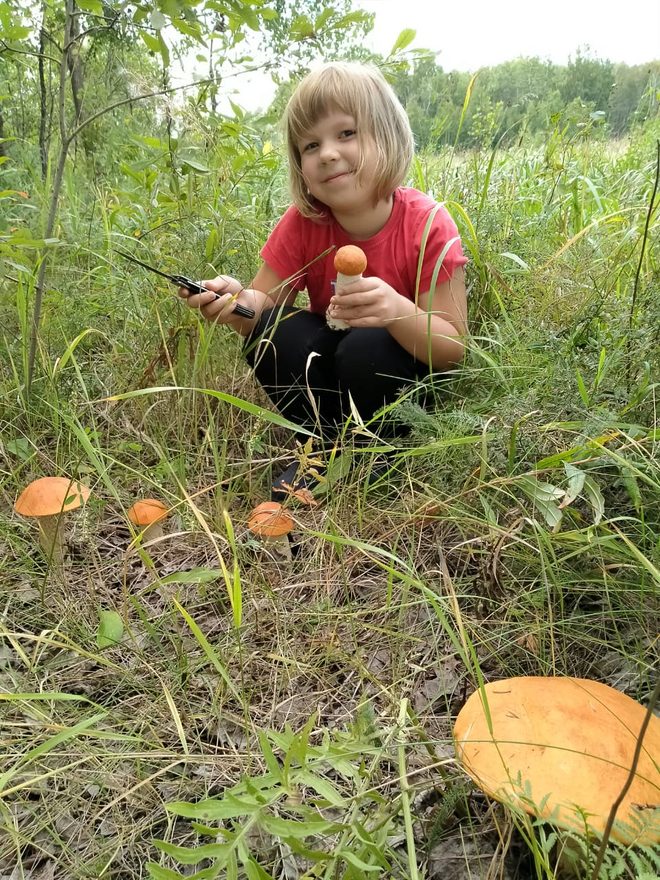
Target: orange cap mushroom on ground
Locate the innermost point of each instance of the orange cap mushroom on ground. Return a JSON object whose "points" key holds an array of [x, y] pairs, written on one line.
{"points": [[270, 522], [148, 515], [561, 749], [47, 499]]}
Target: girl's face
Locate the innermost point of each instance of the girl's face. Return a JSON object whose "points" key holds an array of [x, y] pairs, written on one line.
{"points": [[329, 156]]}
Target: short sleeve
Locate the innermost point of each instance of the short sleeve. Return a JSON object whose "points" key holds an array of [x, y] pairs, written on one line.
{"points": [[438, 247], [282, 251]]}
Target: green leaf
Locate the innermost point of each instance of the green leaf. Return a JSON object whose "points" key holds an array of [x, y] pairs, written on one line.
{"points": [[543, 496], [321, 786], [595, 496], [321, 20], [192, 576], [352, 859], [193, 163], [156, 872], [302, 28], [287, 828], [576, 479], [516, 259], [20, 447], [187, 856], [150, 41], [164, 51], [228, 807], [404, 39], [94, 6], [111, 629]]}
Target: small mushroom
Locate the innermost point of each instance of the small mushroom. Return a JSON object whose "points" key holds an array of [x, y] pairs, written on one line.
{"points": [[148, 515], [561, 749], [48, 499], [272, 524], [350, 262]]}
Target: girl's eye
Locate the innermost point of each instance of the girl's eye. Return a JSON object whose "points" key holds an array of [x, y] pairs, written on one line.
{"points": [[309, 146], [348, 132]]}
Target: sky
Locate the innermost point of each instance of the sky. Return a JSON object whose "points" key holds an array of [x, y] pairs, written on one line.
{"points": [[480, 33]]}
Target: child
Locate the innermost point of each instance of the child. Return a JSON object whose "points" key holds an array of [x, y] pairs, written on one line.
{"points": [[350, 146]]}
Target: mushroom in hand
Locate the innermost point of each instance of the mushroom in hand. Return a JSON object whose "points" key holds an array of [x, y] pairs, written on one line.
{"points": [[148, 515], [48, 499], [350, 263]]}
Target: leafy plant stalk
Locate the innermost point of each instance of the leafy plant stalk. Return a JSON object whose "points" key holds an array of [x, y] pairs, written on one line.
{"points": [[638, 750], [633, 303]]}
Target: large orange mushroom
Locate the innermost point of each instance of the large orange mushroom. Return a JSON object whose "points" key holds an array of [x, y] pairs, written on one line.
{"points": [[48, 499], [562, 749]]}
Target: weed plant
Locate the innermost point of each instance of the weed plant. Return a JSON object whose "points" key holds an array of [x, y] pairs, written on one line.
{"points": [[266, 719]]}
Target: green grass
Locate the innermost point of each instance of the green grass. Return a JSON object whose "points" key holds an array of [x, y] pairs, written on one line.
{"points": [[313, 701]]}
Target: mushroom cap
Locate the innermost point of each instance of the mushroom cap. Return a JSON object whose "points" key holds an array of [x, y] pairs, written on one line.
{"points": [[350, 260], [147, 512], [270, 520], [49, 496], [561, 749]]}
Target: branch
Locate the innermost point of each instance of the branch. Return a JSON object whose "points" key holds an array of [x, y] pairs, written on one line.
{"points": [[168, 91], [6, 48]]}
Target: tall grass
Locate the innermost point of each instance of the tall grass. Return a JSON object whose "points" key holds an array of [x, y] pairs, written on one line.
{"points": [[263, 718]]}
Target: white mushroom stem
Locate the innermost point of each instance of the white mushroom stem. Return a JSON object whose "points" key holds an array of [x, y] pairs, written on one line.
{"points": [[155, 530], [342, 281], [51, 537], [281, 544]]}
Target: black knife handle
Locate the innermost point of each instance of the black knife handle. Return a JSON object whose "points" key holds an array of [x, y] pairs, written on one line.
{"points": [[194, 288]]}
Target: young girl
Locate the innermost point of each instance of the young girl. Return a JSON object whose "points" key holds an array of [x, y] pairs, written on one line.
{"points": [[350, 146]]}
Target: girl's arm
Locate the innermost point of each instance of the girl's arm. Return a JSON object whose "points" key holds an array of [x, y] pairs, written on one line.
{"points": [[430, 330], [433, 330], [267, 291]]}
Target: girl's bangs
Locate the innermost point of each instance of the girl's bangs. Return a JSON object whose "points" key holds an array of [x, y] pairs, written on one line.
{"points": [[315, 99]]}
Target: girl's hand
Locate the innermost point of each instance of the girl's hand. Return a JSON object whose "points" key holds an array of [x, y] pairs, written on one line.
{"points": [[369, 302], [218, 310]]}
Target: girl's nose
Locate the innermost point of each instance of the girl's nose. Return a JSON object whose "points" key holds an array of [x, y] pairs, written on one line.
{"points": [[328, 151]]}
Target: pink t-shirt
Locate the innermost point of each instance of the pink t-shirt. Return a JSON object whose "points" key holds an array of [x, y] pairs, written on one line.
{"points": [[393, 254]]}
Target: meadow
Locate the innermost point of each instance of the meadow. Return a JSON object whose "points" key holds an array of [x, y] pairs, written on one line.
{"points": [[200, 706]]}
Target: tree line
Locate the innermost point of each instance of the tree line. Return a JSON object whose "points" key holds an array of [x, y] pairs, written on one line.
{"points": [[527, 95]]}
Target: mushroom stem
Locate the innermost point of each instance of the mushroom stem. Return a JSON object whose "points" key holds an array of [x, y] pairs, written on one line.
{"points": [[51, 538], [342, 281], [280, 544], [155, 530]]}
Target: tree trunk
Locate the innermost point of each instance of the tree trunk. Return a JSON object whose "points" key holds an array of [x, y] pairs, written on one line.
{"points": [[75, 66]]}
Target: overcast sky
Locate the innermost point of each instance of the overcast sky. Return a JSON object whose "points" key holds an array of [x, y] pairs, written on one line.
{"points": [[478, 33]]}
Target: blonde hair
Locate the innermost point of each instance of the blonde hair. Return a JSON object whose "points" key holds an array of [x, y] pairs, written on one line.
{"points": [[361, 92]]}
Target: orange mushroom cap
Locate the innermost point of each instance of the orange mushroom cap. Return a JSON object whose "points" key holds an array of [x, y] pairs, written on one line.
{"points": [[270, 520], [561, 749], [147, 512], [49, 496], [350, 260]]}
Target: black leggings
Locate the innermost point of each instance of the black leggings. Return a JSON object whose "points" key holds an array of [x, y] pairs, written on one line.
{"points": [[293, 351]]}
